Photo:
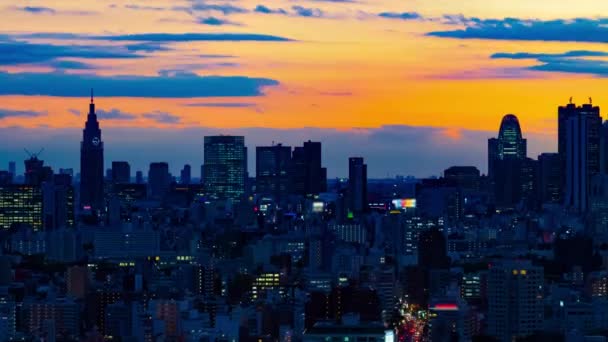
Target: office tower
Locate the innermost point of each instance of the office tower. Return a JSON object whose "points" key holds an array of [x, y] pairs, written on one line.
{"points": [[139, 177], [509, 145], [58, 202], [91, 163], [6, 178], [159, 180], [598, 207], [549, 178], [60, 315], [35, 171], [272, 170], [186, 175], [8, 318], [466, 177], [20, 205], [121, 172], [515, 300], [432, 249], [357, 185], [202, 173], [528, 176], [579, 143], [505, 157], [225, 168], [12, 168], [308, 175], [604, 148]]}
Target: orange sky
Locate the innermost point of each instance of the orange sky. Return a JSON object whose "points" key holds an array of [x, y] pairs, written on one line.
{"points": [[350, 68]]}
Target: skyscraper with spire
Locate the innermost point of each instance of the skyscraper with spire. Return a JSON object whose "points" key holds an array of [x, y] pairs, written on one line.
{"points": [[91, 163]]}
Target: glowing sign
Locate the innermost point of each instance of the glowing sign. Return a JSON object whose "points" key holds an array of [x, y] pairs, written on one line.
{"points": [[445, 307], [317, 207], [404, 203]]}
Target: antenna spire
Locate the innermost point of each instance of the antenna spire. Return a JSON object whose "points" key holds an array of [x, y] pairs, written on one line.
{"points": [[92, 95]]}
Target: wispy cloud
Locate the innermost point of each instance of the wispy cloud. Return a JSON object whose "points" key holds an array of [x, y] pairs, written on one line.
{"points": [[114, 114], [401, 15], [7, 113], [162, 117]]}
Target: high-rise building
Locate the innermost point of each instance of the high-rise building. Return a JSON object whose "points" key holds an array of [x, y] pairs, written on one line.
{"points": [[91, 163], [272, 170], [139, 177], [515, 300], [549, 178], [58, 202], [466, 177], [186, 175], [432, 249], [20, 205], [121, 172], [35, 171], [225, 166], [12, 168], [357, 184], [159, 180], [604, 148], [506, 156], [308, 175], [579, 147]]}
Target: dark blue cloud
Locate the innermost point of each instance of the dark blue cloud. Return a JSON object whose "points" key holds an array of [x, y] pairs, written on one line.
{"points": [[214, 21], [180, 85], [267, 10], [225, 9], [37, 9], [7, 113], [67, 64], [193, 37], [162, 117], [401, 15], [308, 12], [14, 53], [222, 104], [142, 7], [74, 111], [147, 47], [568, 62], [573, 30], [114, 114], [569, 54]]}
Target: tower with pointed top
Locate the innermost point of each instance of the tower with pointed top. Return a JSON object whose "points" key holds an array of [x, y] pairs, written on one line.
{"points": [[91, 163]]}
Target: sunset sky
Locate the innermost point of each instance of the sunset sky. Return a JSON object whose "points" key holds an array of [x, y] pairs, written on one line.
{"points": [[412, 86]]}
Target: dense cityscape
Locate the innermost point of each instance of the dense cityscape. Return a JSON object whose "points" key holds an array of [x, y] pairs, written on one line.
{"points": [[288, 255]]}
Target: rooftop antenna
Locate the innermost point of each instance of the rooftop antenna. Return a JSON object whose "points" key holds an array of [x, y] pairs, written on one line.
{"points": [[590, 100], [91, 95], [570, 99]]}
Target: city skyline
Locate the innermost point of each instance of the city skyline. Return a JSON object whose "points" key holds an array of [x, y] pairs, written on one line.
{"points": [[260, 53]]}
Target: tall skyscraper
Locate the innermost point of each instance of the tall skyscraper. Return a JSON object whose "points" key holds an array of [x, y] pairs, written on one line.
{"points": [[549, 178], [121, 172], [159, 180], [91, 163], [272, 170], [35, 171], [357, 184], [579, 146], [506, 159], [139, 177], [308, 175], [225, 166], [466, 177], [12, 168], [515, 300], [186, 175], [58, 202]]}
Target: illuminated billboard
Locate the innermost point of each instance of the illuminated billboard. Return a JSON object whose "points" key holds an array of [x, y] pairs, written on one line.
{"points": [[404, 203], [318, 207]]}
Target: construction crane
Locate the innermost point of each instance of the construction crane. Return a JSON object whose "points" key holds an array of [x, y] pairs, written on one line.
{"points": [[33, 155]]}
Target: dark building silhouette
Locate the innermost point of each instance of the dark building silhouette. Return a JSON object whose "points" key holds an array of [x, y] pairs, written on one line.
{"points": [[225, 168], [139, 177], [357, 184], [35, 171], [121, 172], [308, 175], [272, 170], [432, 250], [579, 149], [159, 180], [466, 177], [91, 163], [506, 158], [186, 175], [12, 168], [58, 202], [549, 178]]}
